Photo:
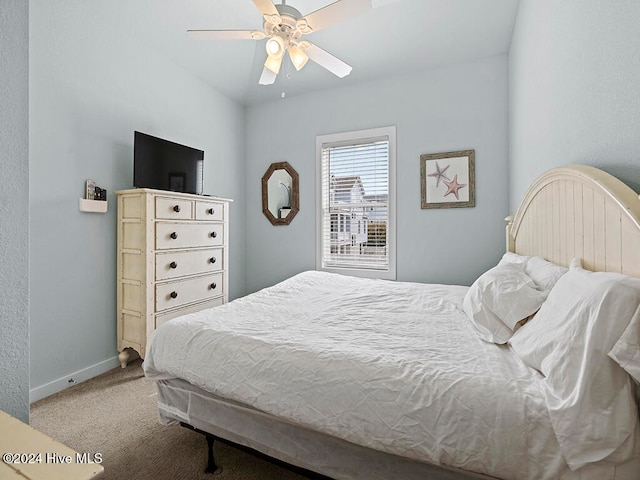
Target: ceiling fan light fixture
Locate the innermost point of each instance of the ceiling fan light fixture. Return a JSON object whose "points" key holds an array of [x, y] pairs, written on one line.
{"points": [[275, 46], [298, 57], [273, 63]]}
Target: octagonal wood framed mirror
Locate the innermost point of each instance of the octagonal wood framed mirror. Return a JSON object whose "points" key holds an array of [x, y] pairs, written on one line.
{"points": [[280, 202]]}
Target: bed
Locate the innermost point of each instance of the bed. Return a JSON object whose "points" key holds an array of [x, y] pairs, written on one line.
{"points": [[357, 378]]}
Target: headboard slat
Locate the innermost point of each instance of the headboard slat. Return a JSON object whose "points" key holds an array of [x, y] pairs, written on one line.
{"points": [[629, 241]]}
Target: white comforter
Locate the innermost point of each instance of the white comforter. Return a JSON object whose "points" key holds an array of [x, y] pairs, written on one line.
{"points": [[392, 366]]}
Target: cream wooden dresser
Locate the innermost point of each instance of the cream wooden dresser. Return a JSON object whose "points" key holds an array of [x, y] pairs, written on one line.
{"points": [[172, 260]]}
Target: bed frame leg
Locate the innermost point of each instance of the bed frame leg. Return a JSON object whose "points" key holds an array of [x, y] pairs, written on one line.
{"points": [[211, 462]]}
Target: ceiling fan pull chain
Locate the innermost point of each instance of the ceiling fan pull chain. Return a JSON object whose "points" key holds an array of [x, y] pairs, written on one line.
{"points": [[285, 75]]}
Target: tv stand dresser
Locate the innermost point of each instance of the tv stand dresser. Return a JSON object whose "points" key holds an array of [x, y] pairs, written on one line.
{"points": [[172, 259]]}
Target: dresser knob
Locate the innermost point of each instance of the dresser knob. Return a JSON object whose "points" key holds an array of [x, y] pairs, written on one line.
{"points": [[211, 211], [176, 208], [214, 234], [174, 235], [173, 265], [212, 260], [173, 294], [213, 286]]}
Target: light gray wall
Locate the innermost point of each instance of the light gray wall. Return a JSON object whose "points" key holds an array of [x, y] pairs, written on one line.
{"points": [[14, 208], [574, 70], [452, 108], [91, 86]]}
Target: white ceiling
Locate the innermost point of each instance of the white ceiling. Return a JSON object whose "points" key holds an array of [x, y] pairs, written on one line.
{"points": [[396, 37]]}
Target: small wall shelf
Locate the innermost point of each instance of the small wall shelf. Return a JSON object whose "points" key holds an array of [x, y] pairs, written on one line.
{"points": [[95, 206]]}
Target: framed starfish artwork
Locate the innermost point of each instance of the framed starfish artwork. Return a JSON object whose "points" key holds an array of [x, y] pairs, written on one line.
{"points": [[448, 179]]}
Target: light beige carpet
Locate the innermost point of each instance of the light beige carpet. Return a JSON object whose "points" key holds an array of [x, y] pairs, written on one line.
{"points": [[115, 414]]}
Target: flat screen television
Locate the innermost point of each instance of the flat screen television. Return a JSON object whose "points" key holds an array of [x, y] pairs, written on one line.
{"points": [[164, 165]]}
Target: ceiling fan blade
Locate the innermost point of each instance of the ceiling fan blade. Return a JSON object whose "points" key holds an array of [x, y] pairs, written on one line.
{"points": [[335, 12], [267, 77], [227, 34], [269, 11], [326, 60]]}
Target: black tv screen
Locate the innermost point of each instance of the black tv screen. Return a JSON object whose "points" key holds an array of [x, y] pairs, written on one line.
{"points": [[164, 165]]}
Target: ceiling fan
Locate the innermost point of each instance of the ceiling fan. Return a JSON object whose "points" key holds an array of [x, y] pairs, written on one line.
{"points": [[284, 26]]}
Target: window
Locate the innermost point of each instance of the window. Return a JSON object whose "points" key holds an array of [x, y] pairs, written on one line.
{"points": [[356, 202]]}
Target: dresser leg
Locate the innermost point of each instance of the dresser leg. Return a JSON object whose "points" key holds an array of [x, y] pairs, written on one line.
{"points": [[123, 357]]}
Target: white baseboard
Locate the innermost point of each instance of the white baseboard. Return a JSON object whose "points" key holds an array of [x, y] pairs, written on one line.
{"points": [[67, 381]]}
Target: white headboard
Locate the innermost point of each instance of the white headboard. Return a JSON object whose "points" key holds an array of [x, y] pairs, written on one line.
{"points": [[579, 211]]}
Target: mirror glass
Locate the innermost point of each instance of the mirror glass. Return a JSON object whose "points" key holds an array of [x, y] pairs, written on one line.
{"points": [[280, 193]]}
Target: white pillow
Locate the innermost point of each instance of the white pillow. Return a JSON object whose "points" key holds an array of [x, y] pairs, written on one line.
{"points": [[626, 351], [511, 257], [588, 396], [543, 272], [499, 299]]}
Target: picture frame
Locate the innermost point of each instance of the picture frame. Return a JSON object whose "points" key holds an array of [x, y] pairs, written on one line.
{"points": [[447, 180]]}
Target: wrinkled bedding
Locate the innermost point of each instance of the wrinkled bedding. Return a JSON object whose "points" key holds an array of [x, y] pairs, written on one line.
{"points": [[393, 366]]}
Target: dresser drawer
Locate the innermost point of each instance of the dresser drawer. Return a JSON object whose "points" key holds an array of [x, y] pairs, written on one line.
{"points": [[180, 264], [191, 290], [174, 208], [165, 317], [209, 211], [187, 235]]}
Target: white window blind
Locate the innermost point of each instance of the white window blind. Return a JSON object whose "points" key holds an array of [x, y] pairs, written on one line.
{"points": [[355, 218]]}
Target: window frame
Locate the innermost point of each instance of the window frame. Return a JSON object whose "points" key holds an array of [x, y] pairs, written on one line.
{"points": [[357, 137]]}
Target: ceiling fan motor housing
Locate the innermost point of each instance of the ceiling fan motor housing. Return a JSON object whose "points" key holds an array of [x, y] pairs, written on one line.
{"points": [[288, 11], [291, 25]]}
